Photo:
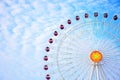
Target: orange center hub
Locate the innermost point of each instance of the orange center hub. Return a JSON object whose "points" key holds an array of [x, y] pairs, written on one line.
{"points": [[96, 56]]}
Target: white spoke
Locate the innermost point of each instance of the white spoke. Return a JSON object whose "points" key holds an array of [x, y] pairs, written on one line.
{"points": [[97, 71], [92, 70], [102, 73]]}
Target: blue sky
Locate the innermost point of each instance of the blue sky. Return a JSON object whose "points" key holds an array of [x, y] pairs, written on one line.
{"points": [[25, 26]]}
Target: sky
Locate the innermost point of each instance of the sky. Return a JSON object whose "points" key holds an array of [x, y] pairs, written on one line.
{"points": [[26, 25]]}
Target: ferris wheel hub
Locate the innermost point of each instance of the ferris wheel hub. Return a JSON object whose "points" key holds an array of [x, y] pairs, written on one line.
{"points": [[96, 56]]}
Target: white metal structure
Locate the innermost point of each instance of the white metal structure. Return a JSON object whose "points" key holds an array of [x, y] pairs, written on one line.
{"points": [[70, 49]]}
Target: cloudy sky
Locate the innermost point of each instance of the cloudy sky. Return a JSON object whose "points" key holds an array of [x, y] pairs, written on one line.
{"points": [[25, 26]]}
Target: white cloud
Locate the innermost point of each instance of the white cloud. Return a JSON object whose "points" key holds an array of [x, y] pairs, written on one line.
{"points": [[33, 24]]}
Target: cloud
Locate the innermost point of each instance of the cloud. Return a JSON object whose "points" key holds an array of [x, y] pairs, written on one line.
{"points": [[25, 26]]}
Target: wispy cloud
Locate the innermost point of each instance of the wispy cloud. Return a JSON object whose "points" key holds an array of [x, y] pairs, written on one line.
{"points": [[25, 25]]}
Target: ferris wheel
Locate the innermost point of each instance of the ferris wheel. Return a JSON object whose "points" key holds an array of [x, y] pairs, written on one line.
{"points": [[86, 50]]}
